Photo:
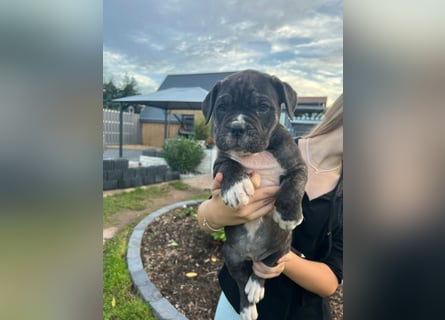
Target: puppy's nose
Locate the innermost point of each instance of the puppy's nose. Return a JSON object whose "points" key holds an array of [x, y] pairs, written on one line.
{"points": [[237, 128]]}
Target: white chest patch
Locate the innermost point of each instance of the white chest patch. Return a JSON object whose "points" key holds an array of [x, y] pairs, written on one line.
{"points": [[265, 164]]}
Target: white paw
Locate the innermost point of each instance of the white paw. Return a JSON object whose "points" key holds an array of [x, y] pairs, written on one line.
{"points": [[254, 291], [239, 193], [249, 313], [286, 224]]}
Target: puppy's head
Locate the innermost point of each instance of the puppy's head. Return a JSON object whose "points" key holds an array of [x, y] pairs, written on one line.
{"points": [[246, 109]]}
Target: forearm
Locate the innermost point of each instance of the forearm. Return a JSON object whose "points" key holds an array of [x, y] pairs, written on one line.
{"points": [[314, 276], [206, 213]]}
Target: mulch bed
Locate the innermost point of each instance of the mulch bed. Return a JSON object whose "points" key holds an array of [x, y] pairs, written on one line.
{"points": [[183, 262]]}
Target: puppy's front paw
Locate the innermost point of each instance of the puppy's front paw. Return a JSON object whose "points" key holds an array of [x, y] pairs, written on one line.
{"points": [[286, 224], [238, 193]]}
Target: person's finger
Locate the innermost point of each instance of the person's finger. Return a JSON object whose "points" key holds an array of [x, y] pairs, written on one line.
{"points": [[258, 269], [216, 183], [265, 272], [265, 192], [219, 177], [284, 258], [256, 179], [256, 210]]}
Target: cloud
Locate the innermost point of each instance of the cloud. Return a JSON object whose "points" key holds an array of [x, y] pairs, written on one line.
{"points": [[116, 66], [297, 40]]}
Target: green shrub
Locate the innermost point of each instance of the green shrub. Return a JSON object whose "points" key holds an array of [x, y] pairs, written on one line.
{"points": [[219, 235], [188, 212], [183, 154], [202, 130]]}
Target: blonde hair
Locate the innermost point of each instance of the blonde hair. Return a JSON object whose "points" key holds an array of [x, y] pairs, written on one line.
{"points": [[332, 119]]}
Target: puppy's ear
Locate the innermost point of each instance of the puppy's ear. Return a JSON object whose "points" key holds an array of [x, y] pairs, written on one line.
{"points": [[209, 102], [288, 96]]}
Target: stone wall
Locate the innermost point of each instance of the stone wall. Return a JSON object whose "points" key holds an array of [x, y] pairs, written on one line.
{"points": [[117, 175]]}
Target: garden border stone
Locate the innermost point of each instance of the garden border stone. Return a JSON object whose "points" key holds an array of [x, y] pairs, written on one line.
{"points": [[162, 308]]}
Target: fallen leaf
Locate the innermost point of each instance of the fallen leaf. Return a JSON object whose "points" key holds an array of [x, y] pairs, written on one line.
{"points": [[191, 274], [173, 244], [213, 259], [113, 302]]}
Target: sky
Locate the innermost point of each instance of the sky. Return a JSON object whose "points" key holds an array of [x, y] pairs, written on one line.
{"points": [[299, 41]]}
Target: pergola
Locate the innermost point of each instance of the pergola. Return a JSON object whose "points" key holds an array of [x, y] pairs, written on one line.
{"points": [[187, 98]]}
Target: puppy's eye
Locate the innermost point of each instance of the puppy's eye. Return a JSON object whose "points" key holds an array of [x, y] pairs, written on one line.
{"points": [[221, 108], [263, 107]]}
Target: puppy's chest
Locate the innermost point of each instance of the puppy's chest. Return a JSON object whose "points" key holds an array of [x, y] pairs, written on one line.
{"points": [[265, 164]]}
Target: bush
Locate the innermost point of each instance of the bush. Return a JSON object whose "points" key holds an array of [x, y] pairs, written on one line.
{"points": [[202, 130], [183, 154], [219, 235]]}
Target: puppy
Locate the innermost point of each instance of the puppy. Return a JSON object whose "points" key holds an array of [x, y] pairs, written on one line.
{"points": [[246, 109]]}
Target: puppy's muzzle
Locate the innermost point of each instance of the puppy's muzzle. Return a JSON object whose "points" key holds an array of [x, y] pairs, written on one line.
{"points": [[237, 129]]}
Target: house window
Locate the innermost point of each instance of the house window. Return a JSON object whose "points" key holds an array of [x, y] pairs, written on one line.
{"points": [[187, 125], [189, 122]]}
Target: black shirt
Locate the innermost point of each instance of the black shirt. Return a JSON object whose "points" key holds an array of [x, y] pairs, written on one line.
{"points": [[319, 238]]}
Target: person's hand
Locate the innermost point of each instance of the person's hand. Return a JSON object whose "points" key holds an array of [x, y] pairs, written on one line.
{"points": [[260, 203], [265, 272]]}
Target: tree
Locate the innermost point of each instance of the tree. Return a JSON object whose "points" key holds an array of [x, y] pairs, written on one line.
{"points": [[111, 91], [129, 87]]}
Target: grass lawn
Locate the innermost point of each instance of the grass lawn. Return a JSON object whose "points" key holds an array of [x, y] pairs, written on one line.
{"points": [[119, 298], [120, 301], [133, 200]]}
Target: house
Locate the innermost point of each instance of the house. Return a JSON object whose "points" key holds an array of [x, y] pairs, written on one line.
{"points": [[181, 122], [203, 80], [308, 113]]}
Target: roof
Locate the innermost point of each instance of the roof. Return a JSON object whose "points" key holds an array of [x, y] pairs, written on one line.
{"points": [[172, 84], [188, 98], [203, 80], [313, 100], [151, 114]]}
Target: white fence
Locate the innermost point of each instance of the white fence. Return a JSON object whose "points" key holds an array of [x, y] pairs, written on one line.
{"points": [[131, 127]]}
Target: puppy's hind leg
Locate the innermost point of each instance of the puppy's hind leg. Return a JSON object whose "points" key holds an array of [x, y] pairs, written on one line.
{"points": [[248, 309], [254, 288], [240, 269]]}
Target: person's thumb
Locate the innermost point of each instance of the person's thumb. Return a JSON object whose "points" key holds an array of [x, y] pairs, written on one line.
{"points": [[216, 183]]}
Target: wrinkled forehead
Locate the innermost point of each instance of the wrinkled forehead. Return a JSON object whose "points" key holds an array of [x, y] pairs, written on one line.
{"points": [[249, 82], [249, 90], [242, 99]]}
